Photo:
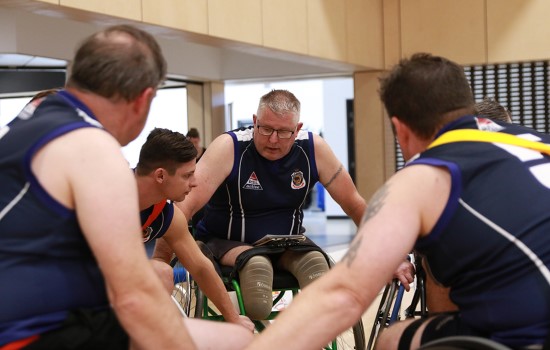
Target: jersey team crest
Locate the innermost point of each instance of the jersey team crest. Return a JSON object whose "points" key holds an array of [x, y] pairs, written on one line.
{"points": [[297, 180], [253, 183], [146, 233], [487, 125]]}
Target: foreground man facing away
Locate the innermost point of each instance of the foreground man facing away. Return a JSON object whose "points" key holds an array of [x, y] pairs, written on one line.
{"points": [[72, 263]]}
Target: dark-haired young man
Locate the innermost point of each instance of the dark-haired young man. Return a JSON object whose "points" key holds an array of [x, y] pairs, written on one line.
{"points": [[165, 174]]}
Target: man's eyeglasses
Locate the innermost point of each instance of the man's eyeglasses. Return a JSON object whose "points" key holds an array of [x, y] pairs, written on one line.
{"points": [[267, 131]]}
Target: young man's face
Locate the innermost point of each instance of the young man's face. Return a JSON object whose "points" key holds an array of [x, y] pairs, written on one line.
{"points": [[178, 185]]}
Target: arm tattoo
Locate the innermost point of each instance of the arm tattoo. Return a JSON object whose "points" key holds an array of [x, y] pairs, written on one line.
{"points": [[373, 208], [352, 251], [334, 176], [376, 203]]}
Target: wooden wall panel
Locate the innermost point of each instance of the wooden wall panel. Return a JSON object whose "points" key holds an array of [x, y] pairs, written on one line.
{"points": [[239, 20], [285, 25], [130, 9], [369, 134], [392, 32], [450, 28], [518, 30], [364, 31], [190, 15], [195, 110], [327, 29]]}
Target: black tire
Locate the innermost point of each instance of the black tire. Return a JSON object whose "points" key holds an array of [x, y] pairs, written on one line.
{"points": [[353, 338], [382, 314]]}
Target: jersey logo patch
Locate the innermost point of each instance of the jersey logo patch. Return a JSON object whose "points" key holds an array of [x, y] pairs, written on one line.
{"points": [[297, 180], [146, 233], [487, 125], [253, 183]]}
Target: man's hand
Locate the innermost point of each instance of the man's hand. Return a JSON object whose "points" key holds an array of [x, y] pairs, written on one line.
{"points": [[246, 323], [405, 274]]}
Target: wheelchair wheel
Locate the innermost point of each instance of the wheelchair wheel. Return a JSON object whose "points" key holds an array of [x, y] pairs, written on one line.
{"points": [[353, 338], [186, 292], [382, 317]]}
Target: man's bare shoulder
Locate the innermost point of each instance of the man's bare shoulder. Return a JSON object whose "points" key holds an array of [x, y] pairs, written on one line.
{"points": [[220, 148]]}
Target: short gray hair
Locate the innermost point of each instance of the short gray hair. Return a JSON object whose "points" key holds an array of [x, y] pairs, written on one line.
{"points": [[280, 102]]}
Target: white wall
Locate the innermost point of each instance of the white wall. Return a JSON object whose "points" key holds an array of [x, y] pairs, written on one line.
{"points": [[245, 98], [168, 110], [335, 93], [10, 108]]}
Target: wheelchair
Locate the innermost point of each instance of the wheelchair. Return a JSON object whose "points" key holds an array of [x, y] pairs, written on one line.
{"points": [[285, 286], [390, 310]]}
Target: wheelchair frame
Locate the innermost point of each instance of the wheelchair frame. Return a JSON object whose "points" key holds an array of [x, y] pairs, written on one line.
{"points": [[196, 304], [389, 309]]}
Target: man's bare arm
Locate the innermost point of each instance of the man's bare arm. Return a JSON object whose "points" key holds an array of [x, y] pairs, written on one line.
{"points": [[105, 195]]}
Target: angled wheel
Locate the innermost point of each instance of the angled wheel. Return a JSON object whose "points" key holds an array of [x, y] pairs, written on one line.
{"points": [[382, 317], [186, 292], [353, 338]]}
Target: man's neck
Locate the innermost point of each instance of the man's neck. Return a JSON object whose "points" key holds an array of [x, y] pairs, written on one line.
{"points": [[147, 192], [108, 113]]}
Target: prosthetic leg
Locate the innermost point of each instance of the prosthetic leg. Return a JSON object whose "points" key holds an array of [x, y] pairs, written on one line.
{"points": [[256, 279], [305, 266]]}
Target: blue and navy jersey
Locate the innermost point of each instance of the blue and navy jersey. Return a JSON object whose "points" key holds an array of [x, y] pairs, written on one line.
{"points": [[160, 224], [46, 266], [491, 244], [261, 196]]}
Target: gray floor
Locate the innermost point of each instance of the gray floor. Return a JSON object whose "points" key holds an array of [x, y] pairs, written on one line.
{"points": [[333, 235]]}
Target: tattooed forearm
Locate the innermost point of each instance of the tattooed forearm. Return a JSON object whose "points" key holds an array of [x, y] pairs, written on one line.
{"points": [[374, 207], [334, 176], [352, 251], [375, 203]]}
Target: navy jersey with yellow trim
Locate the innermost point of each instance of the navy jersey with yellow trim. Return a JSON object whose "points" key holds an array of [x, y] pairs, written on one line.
{"points": [[261, 196], [491, 244], [160, 224]]}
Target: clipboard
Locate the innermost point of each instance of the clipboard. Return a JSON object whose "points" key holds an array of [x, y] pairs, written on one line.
{"points": [[279, 240]]}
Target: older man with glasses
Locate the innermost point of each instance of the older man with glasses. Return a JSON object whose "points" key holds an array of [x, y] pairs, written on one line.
{"points": [[255, 181]]}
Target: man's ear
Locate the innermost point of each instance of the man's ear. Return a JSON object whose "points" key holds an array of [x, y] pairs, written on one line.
{"points": [[400, 130], [144, 99], [299, 126], [159, 175]]}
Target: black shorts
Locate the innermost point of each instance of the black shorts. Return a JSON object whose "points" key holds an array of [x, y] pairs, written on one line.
{"points": [[446, 325], [85, 330], [218, 247], [439, 326]]}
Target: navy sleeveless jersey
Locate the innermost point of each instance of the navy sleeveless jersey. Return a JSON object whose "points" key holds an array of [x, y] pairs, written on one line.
{"points": [[491, 244], [46, 266], [160, 224], [261, 196]]}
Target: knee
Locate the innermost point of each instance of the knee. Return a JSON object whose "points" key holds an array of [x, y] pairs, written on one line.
{"points": [[401, 335], [256, 278], [387, 340], [307, 267]]}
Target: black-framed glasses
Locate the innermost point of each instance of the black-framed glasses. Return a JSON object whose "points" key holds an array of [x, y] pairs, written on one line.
{"points": [[267, 131]]}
